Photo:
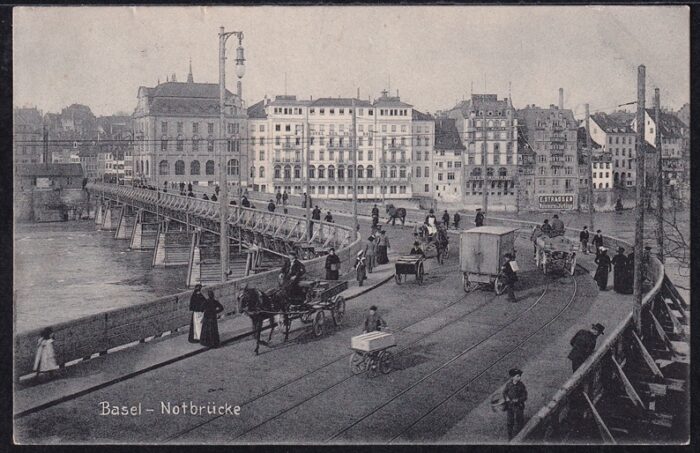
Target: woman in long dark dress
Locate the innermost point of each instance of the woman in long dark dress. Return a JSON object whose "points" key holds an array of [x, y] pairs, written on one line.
{"points": [[210, 329], [604, 267], [619, 263]]}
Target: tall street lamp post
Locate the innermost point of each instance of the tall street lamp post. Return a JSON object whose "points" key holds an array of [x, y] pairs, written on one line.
{"points": [[223, 168]]}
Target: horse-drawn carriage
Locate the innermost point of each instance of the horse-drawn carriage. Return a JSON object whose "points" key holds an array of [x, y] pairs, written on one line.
{"points": [[555, 252], [481, 252], [309, 305], [409, 265]]}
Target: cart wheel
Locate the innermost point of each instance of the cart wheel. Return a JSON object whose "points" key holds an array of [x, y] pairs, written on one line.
{"points": [[468, 285], [358, 364], [498, 285], [386, 362], [573, 265], [419, 274], [372, 366], [319, 321], [338, 311], [397, 277], [305, 317]]}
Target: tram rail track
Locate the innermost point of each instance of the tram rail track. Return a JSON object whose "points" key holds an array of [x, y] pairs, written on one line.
{"points": [[344, 358]]}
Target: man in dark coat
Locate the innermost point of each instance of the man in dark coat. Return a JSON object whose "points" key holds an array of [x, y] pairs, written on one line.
{"points": [[446, 219], [213, 197], [604, 268], [509, 277], [619, 263], [456, 220], [278, 197], [271, 206], [285, 197], [546, 227], [479, 220], [328, 218], [598, 242], [515, 395], [244, 202], [291, 273], [583, 345], [332, 265], [583, 238], [373, 322]]}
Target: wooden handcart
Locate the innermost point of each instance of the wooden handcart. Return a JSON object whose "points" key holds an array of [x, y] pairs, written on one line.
{"points": [[409, 265], [371, 353]]}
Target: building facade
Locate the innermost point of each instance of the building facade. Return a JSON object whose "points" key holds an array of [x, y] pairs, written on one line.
{"points": [[448, 162], [424, 136], [297, 144], [27, 137], [486, 121], [618, 140], [176, 135]]}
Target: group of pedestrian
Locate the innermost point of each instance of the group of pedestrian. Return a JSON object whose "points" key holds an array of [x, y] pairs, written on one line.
{"points": [[203, 325], [283, 197]]}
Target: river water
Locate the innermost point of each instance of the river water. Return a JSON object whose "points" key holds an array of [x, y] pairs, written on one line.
{"points": [[66, 270]]}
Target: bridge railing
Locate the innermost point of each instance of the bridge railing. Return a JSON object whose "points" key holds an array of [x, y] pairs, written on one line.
{"points": [[258, 220], [100, 333]]}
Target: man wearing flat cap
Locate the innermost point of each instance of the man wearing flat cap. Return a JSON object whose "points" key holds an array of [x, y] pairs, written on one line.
{"points": [[515, 395], [583, 345]]}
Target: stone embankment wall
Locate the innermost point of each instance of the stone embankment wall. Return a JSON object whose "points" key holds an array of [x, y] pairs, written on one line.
{"points": [[50, 205]]}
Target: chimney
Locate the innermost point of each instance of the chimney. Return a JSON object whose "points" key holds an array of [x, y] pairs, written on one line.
{"points": [[561, 98], [397, 93]]}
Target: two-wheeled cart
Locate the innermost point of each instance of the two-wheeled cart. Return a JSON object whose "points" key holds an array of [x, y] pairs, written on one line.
{"points": [[481, 252], [409, 265]]}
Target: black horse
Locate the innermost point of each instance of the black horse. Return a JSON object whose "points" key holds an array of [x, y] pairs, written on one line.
{"points": [[395, 213], [260, 306]]}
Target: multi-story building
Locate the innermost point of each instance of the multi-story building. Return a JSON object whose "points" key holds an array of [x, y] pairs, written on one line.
{"points": [[448, 160], [482, 121], [286, 131], [176, 133], [618, 140], [424, 136], [27, 135]]}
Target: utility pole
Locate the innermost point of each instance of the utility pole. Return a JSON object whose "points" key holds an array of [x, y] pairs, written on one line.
{"points": [[590, 169], [353, 144], [641, 180], [304, 130], [484, 167], [659, 179]]}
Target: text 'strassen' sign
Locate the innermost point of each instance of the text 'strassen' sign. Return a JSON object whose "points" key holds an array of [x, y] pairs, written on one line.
{"points": [[556, 201]]}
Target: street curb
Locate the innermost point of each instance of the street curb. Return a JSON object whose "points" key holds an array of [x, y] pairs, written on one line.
{"points": [[155, 366]]}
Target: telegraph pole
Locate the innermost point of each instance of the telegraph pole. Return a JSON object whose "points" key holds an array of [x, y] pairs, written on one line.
{"points": [[353, 144], [484, 167], [223, 184], [304, 130], [590, 169], [660, 180], [641, 192]]}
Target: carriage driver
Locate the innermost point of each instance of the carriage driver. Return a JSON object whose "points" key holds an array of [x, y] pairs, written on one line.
{"points": [[416, 250], [291, 273]]}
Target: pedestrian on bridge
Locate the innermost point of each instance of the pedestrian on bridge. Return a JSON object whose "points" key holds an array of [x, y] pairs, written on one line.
{"points": [[583, 345], [244, 202], [205, 197], [285, 197], [456, 220], [209, 336], [197, 302], [515, 395], [583, 238], [328, 218], [604, 268], [446, 219], [332, 265], [278, 197], [479, 220], [213, 197], [271, 206]]}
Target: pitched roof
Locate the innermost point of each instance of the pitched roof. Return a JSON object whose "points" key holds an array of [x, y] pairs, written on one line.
{"points": [[257, 110], [188, 90], [483, 102], [390, 101], [73, 169], [339, 102], [671, 126], [612, 124], [184, 105], [447, 135], [420, 116]]}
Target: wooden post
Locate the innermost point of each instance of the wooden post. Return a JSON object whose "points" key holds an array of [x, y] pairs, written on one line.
{"points": [[659, 179], [641, 180]]}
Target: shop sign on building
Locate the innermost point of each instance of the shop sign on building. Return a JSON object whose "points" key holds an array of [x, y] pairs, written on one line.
{"points": [[561, 202]]}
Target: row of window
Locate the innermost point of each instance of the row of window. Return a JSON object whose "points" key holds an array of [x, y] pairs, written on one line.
{"points": [[625, 140], [321, 172], [555, 171], [331, 190], [231, 145], [489, 172], [232, 128], [450, 164], [195, 168]]}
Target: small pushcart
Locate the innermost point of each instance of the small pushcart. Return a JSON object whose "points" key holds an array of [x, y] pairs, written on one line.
{"points": [[371, 353], [409, 265], [481, 252]]}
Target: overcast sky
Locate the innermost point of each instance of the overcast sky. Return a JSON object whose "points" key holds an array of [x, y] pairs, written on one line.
{"points": [[99, 56]]}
